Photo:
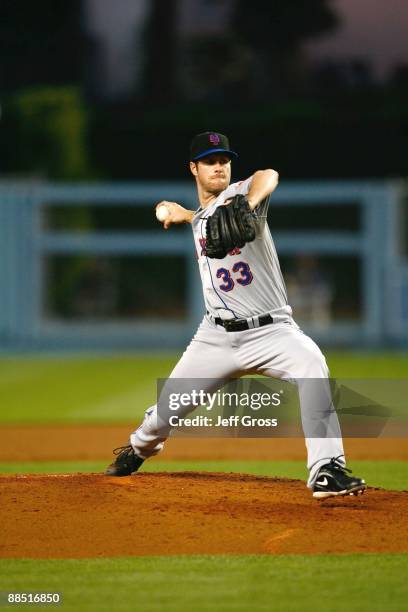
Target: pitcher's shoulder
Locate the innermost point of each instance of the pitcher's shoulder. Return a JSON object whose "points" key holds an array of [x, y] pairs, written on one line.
{"points": [[240, 187]]}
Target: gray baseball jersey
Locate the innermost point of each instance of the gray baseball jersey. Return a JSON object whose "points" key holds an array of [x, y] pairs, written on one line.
{"points": [[248, 281]]}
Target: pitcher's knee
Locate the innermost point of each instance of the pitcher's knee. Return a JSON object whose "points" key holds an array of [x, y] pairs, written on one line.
{"points": [[313, 362]]}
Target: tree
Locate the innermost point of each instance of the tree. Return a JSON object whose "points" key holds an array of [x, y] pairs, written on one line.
{"points": [[41, 42], [275, 32], [160, 78]]}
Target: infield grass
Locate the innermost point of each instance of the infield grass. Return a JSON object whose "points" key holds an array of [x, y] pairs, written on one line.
{"points": [[356, 583]]}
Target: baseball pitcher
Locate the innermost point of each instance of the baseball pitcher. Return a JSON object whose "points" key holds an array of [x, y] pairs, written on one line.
{"points": [[248, 325]]}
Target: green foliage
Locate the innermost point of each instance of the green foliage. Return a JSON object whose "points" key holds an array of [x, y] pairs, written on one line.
{"points": [[42, 42], [45, 133], [287, 25]]}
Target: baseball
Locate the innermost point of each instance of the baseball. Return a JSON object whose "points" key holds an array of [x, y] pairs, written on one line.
{"points": [[162, 213]]}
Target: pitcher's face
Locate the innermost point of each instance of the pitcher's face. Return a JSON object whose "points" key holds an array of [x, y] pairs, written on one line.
{"points": [[213, 172]]}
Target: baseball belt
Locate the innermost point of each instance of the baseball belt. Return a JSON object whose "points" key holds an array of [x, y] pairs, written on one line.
{"points": [[234, 325]]}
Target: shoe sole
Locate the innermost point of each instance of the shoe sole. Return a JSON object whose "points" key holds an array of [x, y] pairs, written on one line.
{"points": [[119, 471], [116, 475], [358, 489]]}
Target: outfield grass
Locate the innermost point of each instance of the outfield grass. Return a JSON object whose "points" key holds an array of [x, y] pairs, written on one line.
{"points": [[119, 388], [360, 583], [347, 364], [387, 474], [82, 389]]}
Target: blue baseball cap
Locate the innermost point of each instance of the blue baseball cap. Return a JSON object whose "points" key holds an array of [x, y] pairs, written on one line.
{"points": [[210, 142]]}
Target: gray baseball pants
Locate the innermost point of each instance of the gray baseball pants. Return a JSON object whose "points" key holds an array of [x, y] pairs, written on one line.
{"points": [[279, 350]]}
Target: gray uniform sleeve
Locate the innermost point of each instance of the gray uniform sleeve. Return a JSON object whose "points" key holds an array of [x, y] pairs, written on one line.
{"points": [[261, 210]]}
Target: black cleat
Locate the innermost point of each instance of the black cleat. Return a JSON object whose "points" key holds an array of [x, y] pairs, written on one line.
{"points": [[332, 481], [125, 463]]}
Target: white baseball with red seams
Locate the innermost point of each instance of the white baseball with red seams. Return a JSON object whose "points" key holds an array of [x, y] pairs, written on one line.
{"points": [[246, 283]]}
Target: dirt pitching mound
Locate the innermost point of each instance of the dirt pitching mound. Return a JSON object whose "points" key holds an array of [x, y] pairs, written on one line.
{"points": [[92, 515]]}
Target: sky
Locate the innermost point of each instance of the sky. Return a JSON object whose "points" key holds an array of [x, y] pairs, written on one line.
{"points": [[373, 29]]}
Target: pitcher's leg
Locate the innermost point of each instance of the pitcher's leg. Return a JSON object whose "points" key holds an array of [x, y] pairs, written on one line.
{"points": [[321, 426], [294, 356], [209, 357]]}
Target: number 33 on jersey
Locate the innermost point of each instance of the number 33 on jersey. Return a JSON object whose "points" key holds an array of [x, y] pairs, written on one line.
{"points": [[241, 284]]}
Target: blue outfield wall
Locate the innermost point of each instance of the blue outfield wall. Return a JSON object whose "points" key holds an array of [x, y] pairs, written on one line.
{"points": [[25, 242]]}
